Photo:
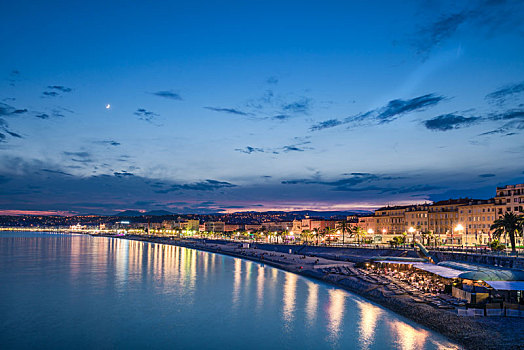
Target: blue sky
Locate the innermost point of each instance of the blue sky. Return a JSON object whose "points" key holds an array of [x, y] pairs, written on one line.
{"points": [[257, 105]]}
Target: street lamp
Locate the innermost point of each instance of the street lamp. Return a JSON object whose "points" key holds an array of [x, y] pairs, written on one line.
{"points": [[412, 231], [371, 231], [458, 228]]}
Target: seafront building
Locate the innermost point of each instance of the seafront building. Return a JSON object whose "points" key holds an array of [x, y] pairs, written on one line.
{"points": [[215, 226], [510, 198], [476, 218], [310, 224], [463, 221]]}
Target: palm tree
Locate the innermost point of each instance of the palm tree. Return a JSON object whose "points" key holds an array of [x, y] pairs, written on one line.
{"points": [[358, 232], [398, 240], [508, 225], [306, 234], [326, 232], [256, 235], [426, 236], [344, 226]]}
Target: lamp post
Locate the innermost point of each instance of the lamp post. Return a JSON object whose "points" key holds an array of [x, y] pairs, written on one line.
{"points": [[412, 231], [459, 228], [371, 231]]}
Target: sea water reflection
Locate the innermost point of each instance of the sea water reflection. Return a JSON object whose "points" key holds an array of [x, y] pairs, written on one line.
{"points": [[99, 292]]}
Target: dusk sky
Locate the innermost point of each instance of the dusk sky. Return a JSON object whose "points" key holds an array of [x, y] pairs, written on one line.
{"points": [[257, 105]]}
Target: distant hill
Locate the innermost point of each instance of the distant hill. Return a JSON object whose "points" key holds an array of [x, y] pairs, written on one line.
{"points": [[131, 213], [311, 213], [334, 213], [158, 213]]}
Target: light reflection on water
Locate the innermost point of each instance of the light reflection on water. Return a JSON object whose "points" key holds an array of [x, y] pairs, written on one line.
{"points": [[369, 316], [260, 286], [312, 303], [336, 311], [64, 291], [288, 305]]}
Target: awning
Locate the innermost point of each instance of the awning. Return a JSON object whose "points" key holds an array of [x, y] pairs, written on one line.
{"points": [[506, 285], [396, 262], [441, 271]]}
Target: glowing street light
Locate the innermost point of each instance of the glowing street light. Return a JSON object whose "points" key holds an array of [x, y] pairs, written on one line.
{"points": [[412, 231], [459, 228]]}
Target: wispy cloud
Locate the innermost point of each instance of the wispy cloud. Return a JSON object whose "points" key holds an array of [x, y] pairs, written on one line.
{"points": [[56, 90], [14, 77], [487, 175], [292, 148], [512, 114], [108, 142], [249, 150], [485, 17], [434, 33], [366, 182], [56, 172], [122, 173], [207, 185], [272, 80], [168, 94], [396, 108], [60, 88], [303, 105], [331, 123], [50, 93], [281, 117], [298, 147], [79, 157], [13, 134], [393, 110], [342, 184], [503, 93], [228, 110], [513, 121], [7, 110], [450, 121], [145, 115]]}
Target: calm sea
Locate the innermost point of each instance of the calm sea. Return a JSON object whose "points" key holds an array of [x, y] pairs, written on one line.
{"points": [[81, 292]]}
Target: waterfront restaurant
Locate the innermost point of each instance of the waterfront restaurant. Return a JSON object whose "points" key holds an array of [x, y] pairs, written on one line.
{"points": [[494, 289]]}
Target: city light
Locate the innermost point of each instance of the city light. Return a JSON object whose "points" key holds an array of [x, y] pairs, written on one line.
{"points": [[459, 227]]}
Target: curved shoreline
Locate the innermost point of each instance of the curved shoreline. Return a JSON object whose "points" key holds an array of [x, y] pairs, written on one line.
{"points": [[468, 332]]}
